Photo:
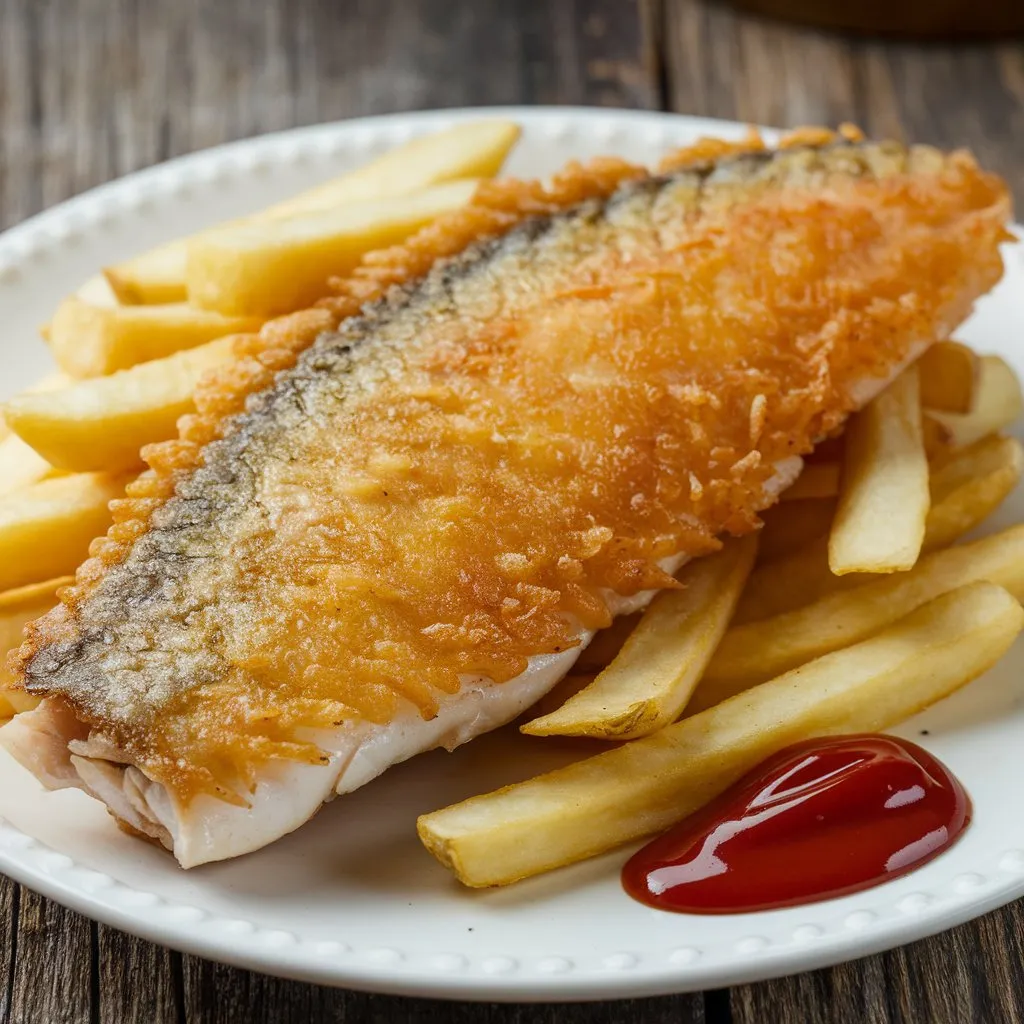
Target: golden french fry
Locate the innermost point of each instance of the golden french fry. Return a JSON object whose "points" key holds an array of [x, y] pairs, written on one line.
{"points": [[153, 278], [91, 341], [473, 150], [21, 465], [649, 682], [971, 486], [51, 382], [46, 529], [794, 581], [997, 403], [269, 269], [790, 525], [598, 654], [16, 608], [97, 292], [965, 492], [565, 689], [949, 377], [101, 424], [883, 495], [643, 787], [816, 480], [755, 651]]}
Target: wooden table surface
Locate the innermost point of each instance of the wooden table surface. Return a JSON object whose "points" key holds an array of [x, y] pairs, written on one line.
{"points": [[92, 89]]}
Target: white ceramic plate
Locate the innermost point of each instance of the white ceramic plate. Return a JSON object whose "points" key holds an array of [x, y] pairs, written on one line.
{"points": [[352, 899]]}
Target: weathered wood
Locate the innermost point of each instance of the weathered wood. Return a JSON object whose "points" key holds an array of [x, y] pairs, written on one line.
{"points": [[726, 64], [972, 973], [215, 994], [218, 994], [52, 979], [93, 89], [136, 981], [9, 900]]}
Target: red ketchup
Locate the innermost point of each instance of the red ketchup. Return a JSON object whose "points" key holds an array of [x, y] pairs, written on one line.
{"points": [[817, 820]]}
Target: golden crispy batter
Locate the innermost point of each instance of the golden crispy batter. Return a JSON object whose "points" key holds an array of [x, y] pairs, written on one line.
{"points": [[455, 481]]}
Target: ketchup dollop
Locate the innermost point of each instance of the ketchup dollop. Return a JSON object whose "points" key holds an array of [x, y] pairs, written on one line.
{"points": [[817, 820]]}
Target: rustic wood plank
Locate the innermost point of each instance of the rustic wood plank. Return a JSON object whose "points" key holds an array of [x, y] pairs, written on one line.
{"points": [[9, 902], [724, 63], [52, 979], [950, 96], [216, 994], [135, 980], [972, 973], [91, 89]]}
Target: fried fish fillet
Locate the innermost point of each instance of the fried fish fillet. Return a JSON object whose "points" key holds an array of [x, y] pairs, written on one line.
{"points": [[397, 519]]}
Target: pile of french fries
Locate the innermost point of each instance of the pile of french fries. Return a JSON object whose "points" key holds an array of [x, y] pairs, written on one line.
{"points": [[850, 611], [132, 343]]}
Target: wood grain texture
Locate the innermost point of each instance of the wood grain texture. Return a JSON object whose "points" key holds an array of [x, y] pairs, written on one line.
{"points": [[216, 994], [92, 89], [136, 981], [52, 979], [726, 64], [970, 974], [9, 899]]}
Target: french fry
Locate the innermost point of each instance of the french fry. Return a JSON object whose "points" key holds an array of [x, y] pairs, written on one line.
{"points": [[152, 278], [46, 529], [472, 150], [755, 651], [16, 608], [643, 787], [883, 495], [949, 377], [649, 682], [998, 402], [794, 581], [101, 424], [269, 269], [565, 689], [965, 492], [92, 341], [21, 465], [50, 382], [97, 292], [790, 525], [816, 480], [971, 486]]}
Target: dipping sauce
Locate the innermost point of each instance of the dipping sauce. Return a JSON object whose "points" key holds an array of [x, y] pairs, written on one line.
{"points": [[817, 820]]}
